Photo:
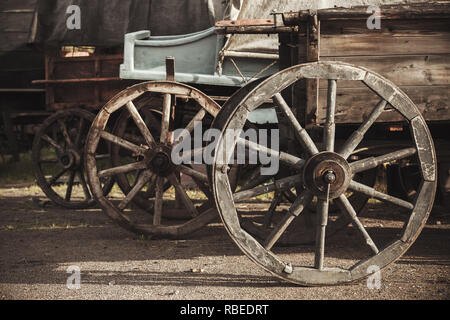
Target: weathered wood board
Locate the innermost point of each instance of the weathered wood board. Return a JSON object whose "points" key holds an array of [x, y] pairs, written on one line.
{"points": [[412, 53], [81, 81]]}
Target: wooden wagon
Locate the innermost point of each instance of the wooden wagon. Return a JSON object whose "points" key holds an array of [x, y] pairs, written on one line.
{"points": [[339, 119]]}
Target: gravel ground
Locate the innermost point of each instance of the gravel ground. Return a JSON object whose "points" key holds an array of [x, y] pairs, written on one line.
{"points": [[39, 243]]}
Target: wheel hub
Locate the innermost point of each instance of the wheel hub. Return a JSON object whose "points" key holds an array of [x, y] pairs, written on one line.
{"points": [[71, 159], [327, 168], [159, 161]]}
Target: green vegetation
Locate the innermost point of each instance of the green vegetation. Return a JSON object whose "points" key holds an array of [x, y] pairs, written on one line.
{"points": [[16, 173]]}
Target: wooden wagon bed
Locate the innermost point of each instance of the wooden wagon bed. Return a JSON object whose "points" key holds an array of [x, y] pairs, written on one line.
{"points": [[87, 82], [411, 48]]}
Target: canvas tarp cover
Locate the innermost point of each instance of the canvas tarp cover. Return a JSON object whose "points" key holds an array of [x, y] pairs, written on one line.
{"points": [[105, 22]]}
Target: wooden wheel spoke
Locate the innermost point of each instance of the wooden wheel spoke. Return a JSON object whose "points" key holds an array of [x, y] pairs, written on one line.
{"points": [[190, 126], [357, 136], [256, 181], [122, 169], [183, 195], [150, 187], [189, 156], [278, 185], [273, 206], [140, 123], [65, 133], [373, 162], [53, 143], [80, 132], [48, 160], [136, 139], [204, 187], [301, 133], [201, 177], [84, 185], [102, 156], [159, 191], [289, 195], [70, 186], [321, 225], [371, 192], [296, 209], [286, 158], [153, 121], [55, 178], [347, 208], [140, 183], [137, 175], [167, 106], [254, 174], [330, 126], [122, 142]]}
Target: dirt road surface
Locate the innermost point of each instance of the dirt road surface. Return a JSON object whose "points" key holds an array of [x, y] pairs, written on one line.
{"points": [[39, 242]]}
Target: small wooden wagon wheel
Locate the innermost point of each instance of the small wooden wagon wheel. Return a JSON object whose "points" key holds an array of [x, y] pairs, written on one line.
{"points": [[324, 175], [58, 159], [146, 153]]}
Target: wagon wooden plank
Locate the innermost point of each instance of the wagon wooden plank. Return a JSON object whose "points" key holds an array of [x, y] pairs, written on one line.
{"points": [[381, 44], [401, 69], [353, 105], [349, 38], [394, 28], [433, 9]]}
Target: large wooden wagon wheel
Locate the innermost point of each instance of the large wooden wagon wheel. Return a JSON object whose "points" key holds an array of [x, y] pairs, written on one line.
{"points": [[146, 154], [326, 174], [58, 159]]}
